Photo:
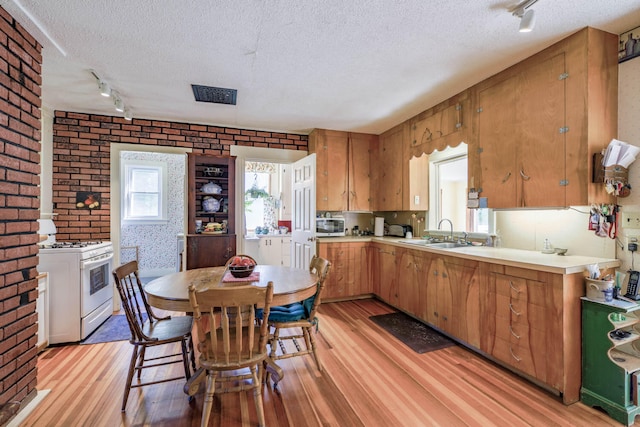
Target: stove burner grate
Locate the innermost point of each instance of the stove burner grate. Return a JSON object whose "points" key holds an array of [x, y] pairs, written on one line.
{"points": [[58, 245]]}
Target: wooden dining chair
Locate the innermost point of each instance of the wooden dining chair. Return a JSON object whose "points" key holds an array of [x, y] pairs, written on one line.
{"points": [[299, 315], [230, 340], [149, 330]]}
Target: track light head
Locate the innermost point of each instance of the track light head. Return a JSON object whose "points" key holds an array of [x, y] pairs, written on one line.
{"points": [[526, 14], [527, 21], [127, 114], [118, 104], [105, 90]]}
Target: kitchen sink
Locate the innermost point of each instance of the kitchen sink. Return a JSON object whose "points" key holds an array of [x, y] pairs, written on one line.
{"points": [[442, 245], [447, 245]]}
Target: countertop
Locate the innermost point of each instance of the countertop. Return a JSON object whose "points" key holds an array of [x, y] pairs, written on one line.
{"points": [[552, 263]]}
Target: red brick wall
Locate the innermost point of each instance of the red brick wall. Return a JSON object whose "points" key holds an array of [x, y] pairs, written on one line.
{"points": [[81, 162], [20, 62]]}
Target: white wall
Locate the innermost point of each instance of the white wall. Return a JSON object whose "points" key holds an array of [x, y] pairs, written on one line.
{"points": [[629, 131]]}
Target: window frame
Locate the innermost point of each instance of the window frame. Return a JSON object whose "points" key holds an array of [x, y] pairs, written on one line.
{"points": [[128, 167]]}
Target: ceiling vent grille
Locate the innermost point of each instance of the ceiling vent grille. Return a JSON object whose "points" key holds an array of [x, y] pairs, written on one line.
{"points": [[215, 95]]}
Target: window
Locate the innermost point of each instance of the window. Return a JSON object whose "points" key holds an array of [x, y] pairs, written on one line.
{"points": [[144, 191], [258, 200], [449, 192]]}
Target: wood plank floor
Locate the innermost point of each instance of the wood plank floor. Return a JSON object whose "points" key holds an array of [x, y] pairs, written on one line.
{"points": [[369, 379]]}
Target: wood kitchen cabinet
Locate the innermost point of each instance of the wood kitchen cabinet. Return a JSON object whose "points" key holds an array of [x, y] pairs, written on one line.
{"points": [[530, 321], [540, 121], [389, 169], [384, 271], [412, 281], [349, 274], [205, 172], [464, 286], [342, 169], [209, 250]]}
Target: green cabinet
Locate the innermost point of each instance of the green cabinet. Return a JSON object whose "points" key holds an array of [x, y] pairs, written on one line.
{"points": [[611, 358]]}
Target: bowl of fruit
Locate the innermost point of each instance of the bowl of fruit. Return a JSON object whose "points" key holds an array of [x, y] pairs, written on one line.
{"points": [[241, 266]]}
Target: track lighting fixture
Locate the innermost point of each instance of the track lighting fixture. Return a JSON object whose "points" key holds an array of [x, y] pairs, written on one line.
{"points": [[118, 103], [527, 16], [105, 90]]}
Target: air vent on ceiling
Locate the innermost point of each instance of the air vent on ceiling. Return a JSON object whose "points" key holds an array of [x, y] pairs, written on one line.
{"points": [[215, 95]]}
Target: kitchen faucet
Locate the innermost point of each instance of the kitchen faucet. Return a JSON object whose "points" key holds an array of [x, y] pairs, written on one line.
{"points": [[450, 223]]}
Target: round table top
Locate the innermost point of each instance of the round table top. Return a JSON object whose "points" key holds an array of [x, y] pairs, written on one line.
{"points": [[171, 292]]}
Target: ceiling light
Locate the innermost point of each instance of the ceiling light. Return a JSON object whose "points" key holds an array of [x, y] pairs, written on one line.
{"points": [[527, 16], [127, 114], [105, 90], [528, 21], [118, 103]]}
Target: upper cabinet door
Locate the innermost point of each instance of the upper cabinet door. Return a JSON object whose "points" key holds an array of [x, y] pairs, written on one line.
{"points": [[331, 169], [359, 171], [521, 137], [541, 138], [497, 140]]}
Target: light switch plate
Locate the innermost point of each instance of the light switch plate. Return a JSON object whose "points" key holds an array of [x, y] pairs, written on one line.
{"points": [[630, 220]]}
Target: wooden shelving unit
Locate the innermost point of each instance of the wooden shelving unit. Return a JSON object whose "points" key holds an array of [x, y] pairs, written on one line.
{"points": [[210, 250]]}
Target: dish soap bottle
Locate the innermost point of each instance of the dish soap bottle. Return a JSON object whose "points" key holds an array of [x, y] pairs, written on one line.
{"points": [[497, 241]]}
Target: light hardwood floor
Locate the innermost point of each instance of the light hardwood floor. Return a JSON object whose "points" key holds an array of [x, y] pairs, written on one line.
{"points": [[369, 379]]}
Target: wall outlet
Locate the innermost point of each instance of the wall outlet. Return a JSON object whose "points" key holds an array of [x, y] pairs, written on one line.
{"points": [[630, 220], [632, 239]]}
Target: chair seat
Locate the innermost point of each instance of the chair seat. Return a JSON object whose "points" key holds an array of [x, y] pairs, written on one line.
{"points": [[290, 312], [168, 329], [285, 313]]}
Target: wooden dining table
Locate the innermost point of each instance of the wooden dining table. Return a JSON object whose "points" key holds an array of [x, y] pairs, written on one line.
{"points": [[171, 292]]}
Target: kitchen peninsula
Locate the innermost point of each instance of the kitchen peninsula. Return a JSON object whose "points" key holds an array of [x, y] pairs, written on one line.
{"points": [[519, 308]]}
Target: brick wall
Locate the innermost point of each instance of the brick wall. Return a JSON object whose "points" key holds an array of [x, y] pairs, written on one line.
{"points": [[20, 62], [81, 162]]}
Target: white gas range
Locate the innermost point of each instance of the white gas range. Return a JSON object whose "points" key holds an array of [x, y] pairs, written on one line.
{"points": [[80, 291]]}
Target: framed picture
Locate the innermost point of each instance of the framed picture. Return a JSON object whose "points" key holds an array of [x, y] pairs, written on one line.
{"points": [[629, 45], [87, 200]]}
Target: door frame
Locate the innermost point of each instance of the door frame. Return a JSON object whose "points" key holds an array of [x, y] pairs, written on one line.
{"points": [[115, 212], [255, 154]]}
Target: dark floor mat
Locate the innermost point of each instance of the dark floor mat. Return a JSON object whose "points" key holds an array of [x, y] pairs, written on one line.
{"points": [[418, 336]]}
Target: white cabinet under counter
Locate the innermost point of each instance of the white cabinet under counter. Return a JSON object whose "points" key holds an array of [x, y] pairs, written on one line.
{"points": [[274, 249], [42, 308]]}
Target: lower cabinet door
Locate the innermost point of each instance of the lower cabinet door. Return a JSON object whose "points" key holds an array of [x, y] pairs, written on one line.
{"points": [[209, 251]]}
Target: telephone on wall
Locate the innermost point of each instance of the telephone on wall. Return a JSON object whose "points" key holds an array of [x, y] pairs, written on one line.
{"points": [[633, 288]]}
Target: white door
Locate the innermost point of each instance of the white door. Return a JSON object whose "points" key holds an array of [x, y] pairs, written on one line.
{"points": [[303, 223]]}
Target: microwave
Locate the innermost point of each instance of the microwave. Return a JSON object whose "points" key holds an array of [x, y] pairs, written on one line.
{"points": [[330, 227]]}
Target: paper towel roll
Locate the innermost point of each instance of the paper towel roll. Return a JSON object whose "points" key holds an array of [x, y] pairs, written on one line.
{"points": [[379, 226]]}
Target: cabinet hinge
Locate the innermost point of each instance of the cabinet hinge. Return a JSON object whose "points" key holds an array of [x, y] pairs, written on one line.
{"points": [[564, 182], [479, 110], [458, 107], [480, 150], [563, 129], [563, 76], [458, 125]]}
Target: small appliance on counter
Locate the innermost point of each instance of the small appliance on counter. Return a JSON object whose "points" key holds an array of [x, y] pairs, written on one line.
{"points": [[400, 230], [330, 227]]}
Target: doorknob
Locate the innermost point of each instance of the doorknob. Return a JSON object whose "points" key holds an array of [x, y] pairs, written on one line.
{"points": [[311, 239]]}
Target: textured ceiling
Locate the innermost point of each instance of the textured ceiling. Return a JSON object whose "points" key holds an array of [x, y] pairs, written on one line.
{"points": [[359, 65]]}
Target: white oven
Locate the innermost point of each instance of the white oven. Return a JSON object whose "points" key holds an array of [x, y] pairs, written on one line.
{"points": [[80, 287]]}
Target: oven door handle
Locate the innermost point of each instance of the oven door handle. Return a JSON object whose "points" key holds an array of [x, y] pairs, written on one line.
{"points": [[89, 264]]}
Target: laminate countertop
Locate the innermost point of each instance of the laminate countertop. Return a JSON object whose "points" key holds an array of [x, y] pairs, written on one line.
{"points": [[552, 263]]}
